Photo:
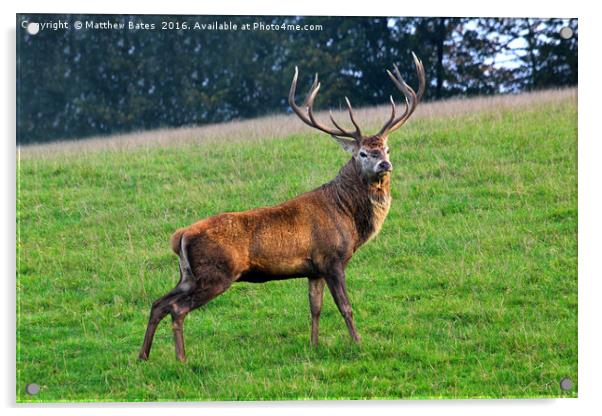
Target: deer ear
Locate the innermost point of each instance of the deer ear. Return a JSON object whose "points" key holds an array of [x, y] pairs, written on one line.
{"points": [[347, 144]]}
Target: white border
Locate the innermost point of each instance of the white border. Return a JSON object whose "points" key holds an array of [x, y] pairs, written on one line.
{"points": [[590, 206]]}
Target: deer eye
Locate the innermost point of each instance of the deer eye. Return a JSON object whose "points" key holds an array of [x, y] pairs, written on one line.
{"points": [[362, 154], [387, 150]]}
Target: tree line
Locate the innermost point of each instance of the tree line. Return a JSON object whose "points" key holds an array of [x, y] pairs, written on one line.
{"points": [[73, 84]]}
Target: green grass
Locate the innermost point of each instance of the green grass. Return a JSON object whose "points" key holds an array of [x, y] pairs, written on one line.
{"points": [[470, 290]]}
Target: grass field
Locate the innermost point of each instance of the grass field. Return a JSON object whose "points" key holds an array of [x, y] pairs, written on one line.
{"points": [[470, 290]]}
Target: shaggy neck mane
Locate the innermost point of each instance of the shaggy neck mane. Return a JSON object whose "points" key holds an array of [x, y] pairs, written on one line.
{"points": [[358, 197]]}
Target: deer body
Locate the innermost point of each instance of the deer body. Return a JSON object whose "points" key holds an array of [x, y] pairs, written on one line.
{"points": [[302, 237], [313, 235]]}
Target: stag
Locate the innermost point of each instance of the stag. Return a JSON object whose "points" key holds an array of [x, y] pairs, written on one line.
{"points": [[313, 235]]}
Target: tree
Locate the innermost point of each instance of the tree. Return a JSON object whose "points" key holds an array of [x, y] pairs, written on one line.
{"points": [[77, 83]]}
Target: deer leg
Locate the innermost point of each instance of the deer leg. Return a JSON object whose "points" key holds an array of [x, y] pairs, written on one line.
{"points": [[160, 309], [336, 284], [189, 301], [177, 315], [316, 296], [168, 304]]}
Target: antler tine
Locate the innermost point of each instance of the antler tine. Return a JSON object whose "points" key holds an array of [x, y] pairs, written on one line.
{"points": [[408, 95], [314, 86], [407, 90], [310, 112], [303, 115], [308, 117], [391, 118], [412, 98], [291, 99], [348, 133], [421, 76], [358, 131]]}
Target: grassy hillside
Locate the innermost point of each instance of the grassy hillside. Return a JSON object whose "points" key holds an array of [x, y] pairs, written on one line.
{"points": [[470, 290]]}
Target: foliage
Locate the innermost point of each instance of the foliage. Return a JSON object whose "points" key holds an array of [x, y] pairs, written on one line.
{"points": [[77, 83]]}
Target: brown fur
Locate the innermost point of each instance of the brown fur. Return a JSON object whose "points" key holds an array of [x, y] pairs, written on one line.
{"points": [[298, 238]]}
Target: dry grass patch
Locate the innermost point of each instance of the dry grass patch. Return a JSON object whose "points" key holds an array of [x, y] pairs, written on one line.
{"points": [[278, 126]]}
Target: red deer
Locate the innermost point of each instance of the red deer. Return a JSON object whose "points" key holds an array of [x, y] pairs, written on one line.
{"points": [[313, 235]]}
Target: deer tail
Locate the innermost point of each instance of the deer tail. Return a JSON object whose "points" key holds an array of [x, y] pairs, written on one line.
{"points": [[176, 241]]}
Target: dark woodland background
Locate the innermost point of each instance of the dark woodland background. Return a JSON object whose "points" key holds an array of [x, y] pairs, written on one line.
{"points": [[72, 84]]}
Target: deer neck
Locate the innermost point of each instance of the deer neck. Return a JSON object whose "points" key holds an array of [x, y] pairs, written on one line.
{"points": [[366, 202]]}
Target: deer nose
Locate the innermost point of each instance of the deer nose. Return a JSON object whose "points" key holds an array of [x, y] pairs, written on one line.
{"points": [[385, 166]]}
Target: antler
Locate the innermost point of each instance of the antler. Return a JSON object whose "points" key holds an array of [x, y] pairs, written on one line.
{"points": [[411, 98], [307, 114]]}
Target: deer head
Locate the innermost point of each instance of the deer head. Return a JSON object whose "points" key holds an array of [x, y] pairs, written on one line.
{"points": [[371, 153]]}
